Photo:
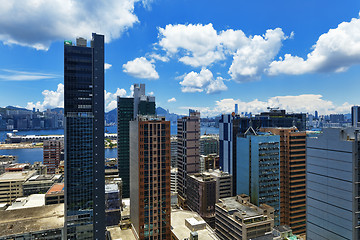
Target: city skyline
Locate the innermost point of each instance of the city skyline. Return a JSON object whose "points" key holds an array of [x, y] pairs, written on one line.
{"points": [[192, 55]]}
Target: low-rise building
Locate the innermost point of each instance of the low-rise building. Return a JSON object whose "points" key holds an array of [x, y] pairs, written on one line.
{"points": [[11, 185], [201, 193], [186, 224], [34, 200], [55, 194], [40, 184], [45, 222], [237, 218], [6, 161]]}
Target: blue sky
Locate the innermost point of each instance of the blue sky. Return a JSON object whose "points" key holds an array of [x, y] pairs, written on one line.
{"points": [[208, 55]]}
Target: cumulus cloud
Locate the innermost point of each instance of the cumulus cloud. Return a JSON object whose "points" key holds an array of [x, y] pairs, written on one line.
{"points": [[198, 82], [141, 68], [253, 55], [52, 99], [334, 51], [172, 100], [201, 45], [13, 75], [107, 66], [37, 23], [300, 103]]}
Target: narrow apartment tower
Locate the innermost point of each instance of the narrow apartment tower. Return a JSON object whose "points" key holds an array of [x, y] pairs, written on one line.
{"points": [[258, 169], [188, 155], [84, 139], [52, 154], [292, 177], [127, 110], [150, 177]]}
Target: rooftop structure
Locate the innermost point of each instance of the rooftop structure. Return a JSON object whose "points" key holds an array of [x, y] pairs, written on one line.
{"points": [[32, 221], [55, 194], [184, 222], [237, 218], [34, 200]]}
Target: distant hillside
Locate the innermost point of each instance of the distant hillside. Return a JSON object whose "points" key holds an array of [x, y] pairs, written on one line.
{"points": [[111, 116], [17, 108], [172, 117]]}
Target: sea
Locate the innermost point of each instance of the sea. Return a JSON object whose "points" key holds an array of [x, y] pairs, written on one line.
{"points": [[36, 154]]}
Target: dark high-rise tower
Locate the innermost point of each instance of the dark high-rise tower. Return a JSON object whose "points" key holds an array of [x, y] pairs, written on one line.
{"points": [[128, 109], [84, 139]]}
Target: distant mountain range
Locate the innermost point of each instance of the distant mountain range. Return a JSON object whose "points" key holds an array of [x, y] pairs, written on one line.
{"points": [[111, 116]]}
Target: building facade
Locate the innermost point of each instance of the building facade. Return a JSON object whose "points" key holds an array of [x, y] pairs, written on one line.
{"points": [[188, 136], [332, 179], [127, 110], [355, 116], [150, 177], [237, 218], [84, 139], [11, 185], [258, 170], [292, 177], [209, 144], [53, 152], [201, 196]]}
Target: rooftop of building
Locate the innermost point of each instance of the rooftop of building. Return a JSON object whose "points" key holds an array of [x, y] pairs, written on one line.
{"points": [[217, 173], [56, 189], [16, 176], [111, 187], [150, 118], [117, 233], [31, 219], [43, 177], [201, 177], [283, 228], [34, 200], [181, 231], [240, 205], [209, 136]]}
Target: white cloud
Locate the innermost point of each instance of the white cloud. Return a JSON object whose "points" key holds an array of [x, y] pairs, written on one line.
{"points": [[255, 54], [216, 86], [199, 43], [37, 23], [158, 57], [198, 82], [172, 100], [52, 99], [107, 66], [151, 93], [334, 51], [13, 75], [141, 68], [111, 98], [300, 103]]}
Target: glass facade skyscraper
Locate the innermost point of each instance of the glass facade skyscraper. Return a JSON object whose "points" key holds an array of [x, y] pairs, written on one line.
{"points": [[84, 139]]}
